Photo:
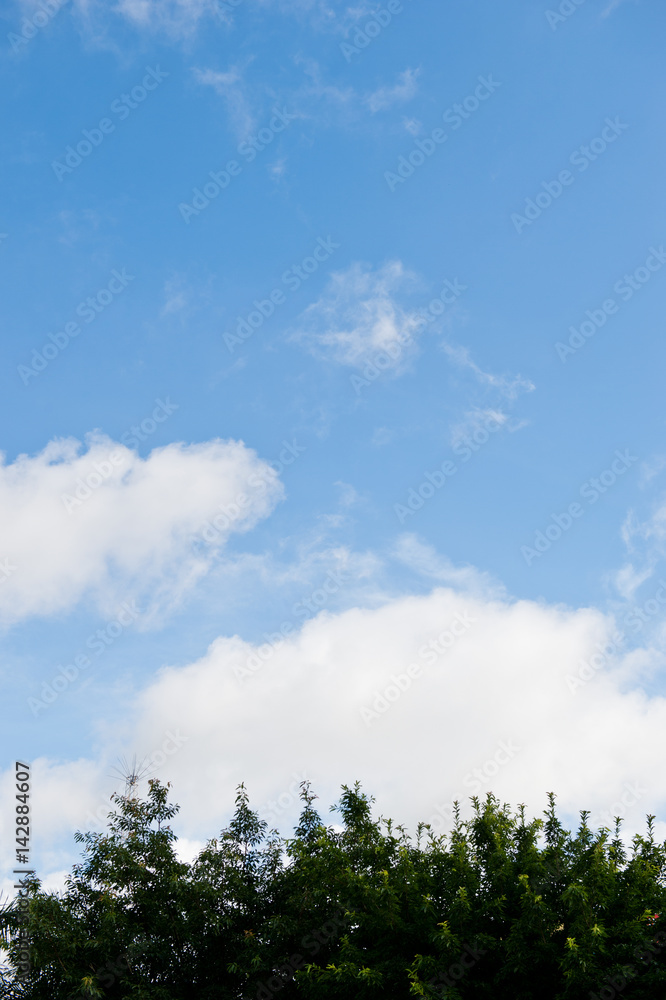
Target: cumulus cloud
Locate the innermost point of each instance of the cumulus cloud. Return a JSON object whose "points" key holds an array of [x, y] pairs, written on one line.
{"points": [[358, 316], [424, 698], [105, 523], [336, 700]]}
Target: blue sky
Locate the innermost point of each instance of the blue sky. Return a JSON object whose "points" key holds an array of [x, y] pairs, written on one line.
{"points": [[416, 324]]}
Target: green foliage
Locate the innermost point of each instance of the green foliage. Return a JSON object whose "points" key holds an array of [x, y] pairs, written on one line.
{"points": [[502, 907]]}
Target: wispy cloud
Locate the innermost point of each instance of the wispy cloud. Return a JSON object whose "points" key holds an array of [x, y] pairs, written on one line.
{"points": [[401, 92], [613, 5], [510, 386], [175, 297], [358, 316], [427, 562], [645, 542], [173, 16], [475, 420], [230, 86], [318, 89]]}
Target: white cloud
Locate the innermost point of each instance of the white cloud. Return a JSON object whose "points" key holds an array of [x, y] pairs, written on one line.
{"points": [[613, 5], [180, 20], [175, 297], [650, 469], [105, 523], [504, 682], [349, 495], [510, 386], [277, 170], [358, 321], [424, 560], [652, 530], [628, 580], [358, 317], [401, 92], [322, 16], [475, 420], [503, 679], [172, 16], [412, 125], [78, 225], [645, 541], [319, 92], [382, 436], [230, 86]]}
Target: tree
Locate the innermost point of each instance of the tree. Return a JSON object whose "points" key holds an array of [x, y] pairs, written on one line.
{"points": [[501, 907]]}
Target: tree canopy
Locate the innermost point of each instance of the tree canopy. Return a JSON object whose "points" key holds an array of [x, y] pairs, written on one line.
{"points": [[500, 907]]}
